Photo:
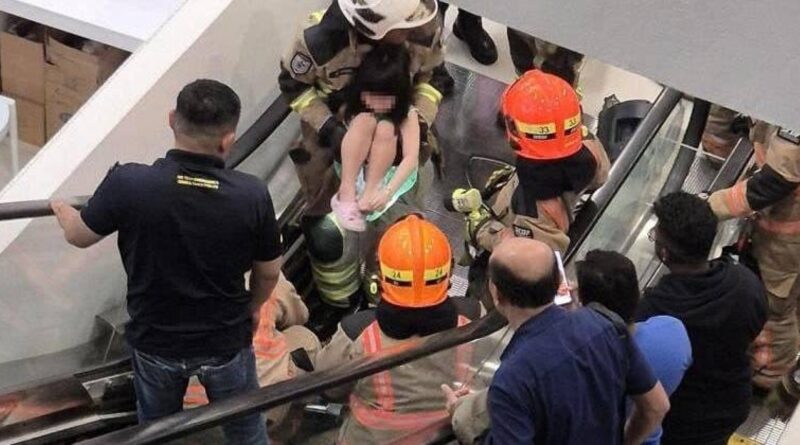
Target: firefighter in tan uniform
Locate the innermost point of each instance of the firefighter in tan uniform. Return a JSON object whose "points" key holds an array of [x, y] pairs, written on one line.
{"points": [[403, 405], [282, 346], [557, 160], [314, 74], [321, 63], [772, 197]]}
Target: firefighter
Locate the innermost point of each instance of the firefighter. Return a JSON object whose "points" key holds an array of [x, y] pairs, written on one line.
{"points": [[314, 74], [283, 347], [772, 197], [404, 404], [723, 130], [557, 159]]}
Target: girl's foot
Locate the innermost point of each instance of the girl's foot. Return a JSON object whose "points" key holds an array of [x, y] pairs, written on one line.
{"points": [[348, 214]]}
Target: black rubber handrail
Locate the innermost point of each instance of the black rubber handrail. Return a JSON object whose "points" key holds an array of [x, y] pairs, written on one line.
{"points": [[187, 422], [245, 146], [633, 151], [688, 149], [198, 419]]}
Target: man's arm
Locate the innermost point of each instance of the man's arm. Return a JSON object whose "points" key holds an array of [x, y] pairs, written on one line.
{"points": [[429, 82], [777, 179], [298, 81], [649, 410], [76, 232], [263, 279], [511, 421]]}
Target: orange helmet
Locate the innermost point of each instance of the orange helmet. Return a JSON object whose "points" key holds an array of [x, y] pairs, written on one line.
{"points": [[543, 116], [415, 263]]}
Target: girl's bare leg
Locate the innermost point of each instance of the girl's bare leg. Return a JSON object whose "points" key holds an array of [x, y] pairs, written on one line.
{"points": [[381, 156], [355, 149]]}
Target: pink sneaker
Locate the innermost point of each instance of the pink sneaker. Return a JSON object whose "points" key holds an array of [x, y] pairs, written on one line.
{"points": [[348, 214]]}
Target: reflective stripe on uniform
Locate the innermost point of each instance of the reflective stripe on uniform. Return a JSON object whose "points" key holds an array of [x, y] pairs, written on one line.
{"points": [[431, 276], [555, 209], [736, 199], [304, 100], [780, 227], [316, 16], [267, 345], [429, 92], [384, 417]]}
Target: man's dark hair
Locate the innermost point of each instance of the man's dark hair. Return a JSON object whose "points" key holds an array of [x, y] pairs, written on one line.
{"points": [[207, 109], [521, 292], [609, 278], [686, 227]]}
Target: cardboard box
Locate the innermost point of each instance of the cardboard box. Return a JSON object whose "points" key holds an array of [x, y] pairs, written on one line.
{"points": [[22, 61], [79, 64], [60, 104], [75, 69], [30, 121]]}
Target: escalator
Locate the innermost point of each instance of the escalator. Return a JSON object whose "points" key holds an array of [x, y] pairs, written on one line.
{"points": [[98, 399]]}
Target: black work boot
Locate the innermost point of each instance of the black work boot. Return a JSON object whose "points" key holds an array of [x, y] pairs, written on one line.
{"points": [[522, 49], [468, 27]]}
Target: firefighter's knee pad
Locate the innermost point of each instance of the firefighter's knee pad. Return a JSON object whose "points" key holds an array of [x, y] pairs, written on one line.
{"points": [[335, 263]]}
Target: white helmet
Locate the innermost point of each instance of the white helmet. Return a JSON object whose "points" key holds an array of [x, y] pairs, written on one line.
{"points": [[375, 18]]}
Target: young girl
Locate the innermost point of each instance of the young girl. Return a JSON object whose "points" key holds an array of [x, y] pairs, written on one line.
{"points": [[380, 119]]}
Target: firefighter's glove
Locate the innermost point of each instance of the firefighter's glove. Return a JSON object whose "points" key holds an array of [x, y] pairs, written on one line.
{"points": [[466, 201], [498, 180], [331, 135], [474, 221]]}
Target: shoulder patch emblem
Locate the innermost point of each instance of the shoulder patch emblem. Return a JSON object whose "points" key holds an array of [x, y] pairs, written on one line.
{"points": [[522, 232], [301, 64], [789, 135]]}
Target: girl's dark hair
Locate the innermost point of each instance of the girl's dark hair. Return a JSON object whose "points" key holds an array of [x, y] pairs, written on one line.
{"points": [[386, 69]]}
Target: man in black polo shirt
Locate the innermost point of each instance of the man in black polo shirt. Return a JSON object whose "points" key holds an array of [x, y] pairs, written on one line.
{"points": [[188, 231]]}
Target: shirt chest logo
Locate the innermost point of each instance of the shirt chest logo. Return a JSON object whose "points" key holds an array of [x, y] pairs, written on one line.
{"points": [[194, 181]]}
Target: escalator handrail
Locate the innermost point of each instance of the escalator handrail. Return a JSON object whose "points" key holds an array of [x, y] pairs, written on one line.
{"points": [[687, 151], [245, 146], [198, 419], [586, 220]]}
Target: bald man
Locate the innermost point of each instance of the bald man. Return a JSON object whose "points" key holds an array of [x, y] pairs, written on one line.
{"points": [[564, 376]]}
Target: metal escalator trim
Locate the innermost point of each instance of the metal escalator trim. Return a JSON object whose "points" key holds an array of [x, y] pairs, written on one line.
{"points": [[631, 154], [686, 154], [734, 166], [186, 422], [245, 146]]}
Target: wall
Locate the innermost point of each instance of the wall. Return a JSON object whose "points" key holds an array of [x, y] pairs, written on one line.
{"points": [[50, 292], [738, 53]]}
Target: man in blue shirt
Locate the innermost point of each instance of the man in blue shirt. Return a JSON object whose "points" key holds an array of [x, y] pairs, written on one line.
{"points": [[609, 278], [188, 230], [564, 376]]}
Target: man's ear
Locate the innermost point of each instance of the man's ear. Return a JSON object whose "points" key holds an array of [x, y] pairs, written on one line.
{"points": [[172, 119], [664, 254], [226, 144], [496, 298]]}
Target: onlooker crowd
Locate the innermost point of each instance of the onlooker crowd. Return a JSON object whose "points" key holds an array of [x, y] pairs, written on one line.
{"points": [[614, 366]]}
